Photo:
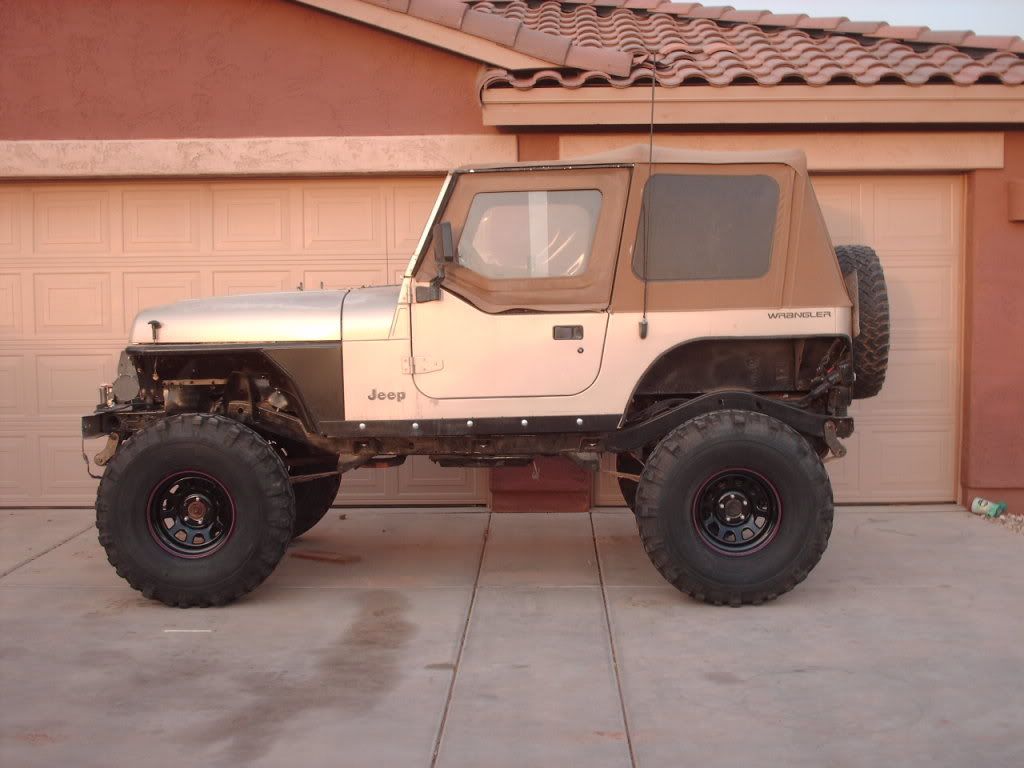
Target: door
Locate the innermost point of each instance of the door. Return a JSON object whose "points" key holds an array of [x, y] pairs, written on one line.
{"points": [[523, 307]]}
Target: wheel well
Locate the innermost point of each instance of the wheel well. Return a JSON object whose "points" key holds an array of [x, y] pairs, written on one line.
{"points": [[233, 383], [751, 364]]}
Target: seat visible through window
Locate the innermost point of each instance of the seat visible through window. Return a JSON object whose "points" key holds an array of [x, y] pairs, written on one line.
{"points": [[516, 235]]}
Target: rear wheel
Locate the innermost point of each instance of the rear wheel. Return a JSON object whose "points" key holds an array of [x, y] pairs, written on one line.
{"points": [[195, 510], [734, 507], [312, 501]]}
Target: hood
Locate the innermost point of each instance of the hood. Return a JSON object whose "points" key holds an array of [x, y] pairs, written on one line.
{"points": [[258, 317], [369, 313]]}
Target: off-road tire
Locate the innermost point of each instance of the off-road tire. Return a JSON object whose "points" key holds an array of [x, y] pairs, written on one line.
{"points": [[246, 469], [312, 502], [626, 462], [680, 472], [871, 347]]}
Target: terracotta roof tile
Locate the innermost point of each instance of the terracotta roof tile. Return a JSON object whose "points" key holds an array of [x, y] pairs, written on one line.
{"points": [[439, 11], [491, 26], [609, 42]]}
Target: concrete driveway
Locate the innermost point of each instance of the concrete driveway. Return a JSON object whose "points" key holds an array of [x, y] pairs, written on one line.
{"points": [[406, 638]]}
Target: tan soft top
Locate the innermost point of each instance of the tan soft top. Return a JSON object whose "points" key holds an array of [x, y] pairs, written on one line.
{"points": [[637, 154]]}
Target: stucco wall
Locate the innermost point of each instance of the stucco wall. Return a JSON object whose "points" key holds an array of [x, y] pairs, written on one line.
{"points": [[96, 69], [993, 460]]}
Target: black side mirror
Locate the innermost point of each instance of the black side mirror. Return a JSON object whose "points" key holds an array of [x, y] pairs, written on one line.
{"points": [[444, 243]]}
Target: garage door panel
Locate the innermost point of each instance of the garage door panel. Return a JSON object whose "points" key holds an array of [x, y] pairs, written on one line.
{"points": [[345, 218], [68, 383], [19, 480], [412, 204], [151, 289], [914, 215], [346, 276], [74, 220], [236, 282], [919, 382], [904, 448], [14, 391], [162, 219], [891, 477], [11, 305], [923, 302], [421, 478], [251, 218], [74, 304], [62, 473], [841, 205]]}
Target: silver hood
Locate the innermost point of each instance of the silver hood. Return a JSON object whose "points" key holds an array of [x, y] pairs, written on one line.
{"points": [[258, 317], [369, 313]]}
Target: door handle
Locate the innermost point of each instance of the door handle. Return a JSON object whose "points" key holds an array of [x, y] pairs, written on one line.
{"points": [[567, 333]]}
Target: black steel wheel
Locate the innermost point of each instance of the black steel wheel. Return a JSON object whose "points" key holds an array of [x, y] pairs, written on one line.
{"points": [[195, 510], [737, 512], [191, 514], [734, 507]]}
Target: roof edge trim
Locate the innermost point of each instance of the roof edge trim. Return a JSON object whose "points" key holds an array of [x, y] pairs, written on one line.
{"points": [[755, 105]]}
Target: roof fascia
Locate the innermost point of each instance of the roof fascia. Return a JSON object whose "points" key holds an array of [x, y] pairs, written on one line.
{"points": [[757, 105], [428, 32]]}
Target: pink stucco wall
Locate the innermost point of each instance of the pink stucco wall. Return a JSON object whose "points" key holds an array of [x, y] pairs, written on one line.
{"points": [[129, 69]]}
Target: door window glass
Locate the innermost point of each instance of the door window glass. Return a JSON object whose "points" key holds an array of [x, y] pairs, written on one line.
{"points": [[704, 227], [517, 235]]}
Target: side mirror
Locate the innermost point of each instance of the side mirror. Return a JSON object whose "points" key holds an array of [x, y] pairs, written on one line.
{"points": [[444, 243]]}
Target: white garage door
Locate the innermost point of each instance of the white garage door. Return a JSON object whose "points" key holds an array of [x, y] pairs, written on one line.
{"points": [[905, 448], [78, 260]]}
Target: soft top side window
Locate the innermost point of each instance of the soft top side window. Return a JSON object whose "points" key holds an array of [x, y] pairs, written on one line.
{"points": [[530, 234], [706, 227]]}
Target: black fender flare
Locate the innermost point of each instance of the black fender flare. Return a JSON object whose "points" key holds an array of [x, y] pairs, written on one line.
{"points": [[653, 429]]}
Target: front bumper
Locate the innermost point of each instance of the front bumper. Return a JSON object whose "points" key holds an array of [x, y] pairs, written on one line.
{"points": [[104, 421]]}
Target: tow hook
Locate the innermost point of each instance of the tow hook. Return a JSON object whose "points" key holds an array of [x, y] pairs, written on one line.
{"points": [[832, 440], [103, 456]]}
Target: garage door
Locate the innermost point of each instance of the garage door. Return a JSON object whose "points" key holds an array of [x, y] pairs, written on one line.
{"points": [[77, 261], [906, 441]]}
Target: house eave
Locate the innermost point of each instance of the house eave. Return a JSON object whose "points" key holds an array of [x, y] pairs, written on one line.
{"points": [[756, 105]]}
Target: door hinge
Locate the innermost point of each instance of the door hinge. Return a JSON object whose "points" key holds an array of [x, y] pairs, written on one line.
{"points": [[421, 365]]}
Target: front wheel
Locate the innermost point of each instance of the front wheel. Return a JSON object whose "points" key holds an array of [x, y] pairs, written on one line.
{"points": [[734, 507], [195, 510]]}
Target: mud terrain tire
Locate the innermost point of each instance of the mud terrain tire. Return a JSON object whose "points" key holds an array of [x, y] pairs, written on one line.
{"points": [[871, 347], [691, 500], [312, 502], [195, 510]]}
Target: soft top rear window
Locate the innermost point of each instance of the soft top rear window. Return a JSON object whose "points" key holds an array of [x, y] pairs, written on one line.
{"points": [[706, 227]]}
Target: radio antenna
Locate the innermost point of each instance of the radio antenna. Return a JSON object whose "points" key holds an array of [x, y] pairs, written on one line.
{"points": [[647, 203]]}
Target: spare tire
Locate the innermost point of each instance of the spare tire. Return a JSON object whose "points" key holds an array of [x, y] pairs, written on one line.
{"points": [[871, 345]]}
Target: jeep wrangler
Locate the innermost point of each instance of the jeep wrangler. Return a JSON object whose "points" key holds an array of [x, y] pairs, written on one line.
{"points": [[683, 311]]}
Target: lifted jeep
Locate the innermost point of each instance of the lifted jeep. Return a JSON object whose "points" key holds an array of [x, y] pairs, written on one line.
{"points": [[684, 311]]}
